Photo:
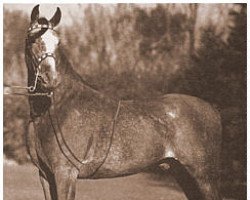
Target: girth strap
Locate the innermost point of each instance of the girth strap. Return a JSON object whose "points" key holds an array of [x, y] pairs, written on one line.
{"points": [[100, 152]]}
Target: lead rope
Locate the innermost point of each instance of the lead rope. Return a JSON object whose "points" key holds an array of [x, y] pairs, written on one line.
{"points": [[31, 88], [37, 62]]}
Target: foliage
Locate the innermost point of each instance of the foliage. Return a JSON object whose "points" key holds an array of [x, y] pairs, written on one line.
{"points": [[218, 75], [15, 108]]}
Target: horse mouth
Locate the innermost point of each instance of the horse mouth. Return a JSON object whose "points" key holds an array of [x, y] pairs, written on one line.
{"points": [[47, 85]]}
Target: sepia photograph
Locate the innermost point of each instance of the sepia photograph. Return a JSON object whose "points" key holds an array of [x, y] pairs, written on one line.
{"points": [[125, 101]]}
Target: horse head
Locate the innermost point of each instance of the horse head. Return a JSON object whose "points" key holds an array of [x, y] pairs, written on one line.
{"points": [[41, 49]]}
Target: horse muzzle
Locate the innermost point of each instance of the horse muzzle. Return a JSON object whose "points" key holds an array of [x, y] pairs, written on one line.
{"points": [[48, 75], [51, 85]]}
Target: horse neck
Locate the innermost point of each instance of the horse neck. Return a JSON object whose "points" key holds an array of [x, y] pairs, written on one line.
{"points": [[73, 85]]}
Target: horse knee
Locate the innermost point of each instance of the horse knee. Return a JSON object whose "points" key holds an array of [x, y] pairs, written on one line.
{"points": [[65, 173]]}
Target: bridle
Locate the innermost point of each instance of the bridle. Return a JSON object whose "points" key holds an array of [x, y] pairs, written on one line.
{"points": [[36, 63]]}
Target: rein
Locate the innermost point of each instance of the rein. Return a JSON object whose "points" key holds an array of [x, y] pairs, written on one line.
{"points": [[35, 61], [66, 150]]}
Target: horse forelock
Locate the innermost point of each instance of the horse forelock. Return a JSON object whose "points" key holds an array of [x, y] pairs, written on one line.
{"points": [[43, 29], [42, 21]]}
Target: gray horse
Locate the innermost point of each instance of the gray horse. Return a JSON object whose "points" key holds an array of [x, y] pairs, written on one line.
{"points": [[77, 132]]}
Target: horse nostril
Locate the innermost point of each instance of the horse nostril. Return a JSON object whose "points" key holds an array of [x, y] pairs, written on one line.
{"points": [[46, 77], [49, 77], [55, 83]]}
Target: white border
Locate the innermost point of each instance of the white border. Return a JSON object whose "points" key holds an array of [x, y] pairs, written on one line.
{"points": [[248, 109], [105, 2], [1, 92], [123, 1]]}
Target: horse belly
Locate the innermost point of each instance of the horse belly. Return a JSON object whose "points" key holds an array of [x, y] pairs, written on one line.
{"points": [[136, 145]]}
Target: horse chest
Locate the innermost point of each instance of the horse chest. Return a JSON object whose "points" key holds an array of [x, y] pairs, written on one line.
{"points": [[31, 143], [34, 143]]}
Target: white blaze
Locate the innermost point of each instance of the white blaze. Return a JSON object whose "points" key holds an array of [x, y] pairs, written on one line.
{"points": [[51, 43], [169, 154], [50, 40]]}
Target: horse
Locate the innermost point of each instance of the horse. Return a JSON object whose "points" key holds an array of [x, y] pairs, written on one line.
{"points": [[78, 132]]}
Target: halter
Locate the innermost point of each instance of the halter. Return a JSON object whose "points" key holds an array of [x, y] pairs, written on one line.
{"points": [[37, 66]]}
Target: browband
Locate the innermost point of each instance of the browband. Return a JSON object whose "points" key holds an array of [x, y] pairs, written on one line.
{"points": [[48, 26]]}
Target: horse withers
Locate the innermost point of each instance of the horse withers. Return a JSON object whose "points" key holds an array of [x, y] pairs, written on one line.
{"points": [[77, 132]]}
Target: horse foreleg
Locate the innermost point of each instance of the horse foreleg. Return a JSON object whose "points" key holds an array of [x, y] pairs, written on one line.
{"points": [[46, 186], [65, 181]]}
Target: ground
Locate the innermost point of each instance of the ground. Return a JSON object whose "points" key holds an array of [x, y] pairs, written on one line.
{"points": [[22, 182]]}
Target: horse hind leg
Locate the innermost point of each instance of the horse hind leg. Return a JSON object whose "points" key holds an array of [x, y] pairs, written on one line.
{"points": [[195, 182]]}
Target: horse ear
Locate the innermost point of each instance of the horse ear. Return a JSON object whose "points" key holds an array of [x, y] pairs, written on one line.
{"points": [[56, 18], [35, 13]]}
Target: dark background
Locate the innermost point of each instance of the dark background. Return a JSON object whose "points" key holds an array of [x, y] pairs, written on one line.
{"points": [[135, 51]]}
